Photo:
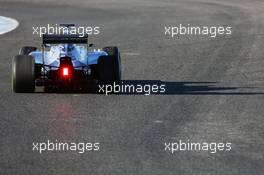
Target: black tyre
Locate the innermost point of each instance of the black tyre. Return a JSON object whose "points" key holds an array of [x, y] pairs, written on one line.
{"points": [[114, 68], [23, 78], [106, 70], [27, 50]]}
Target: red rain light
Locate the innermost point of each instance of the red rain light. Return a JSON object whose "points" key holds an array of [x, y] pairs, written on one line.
{"points": [[65, 71]]}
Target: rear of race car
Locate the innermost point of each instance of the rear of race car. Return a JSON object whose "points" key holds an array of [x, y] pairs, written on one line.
{"points": [[65, 66]]}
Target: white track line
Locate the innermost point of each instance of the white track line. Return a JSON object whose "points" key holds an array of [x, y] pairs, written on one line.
{"points": [[7, 24], [131, 54]]}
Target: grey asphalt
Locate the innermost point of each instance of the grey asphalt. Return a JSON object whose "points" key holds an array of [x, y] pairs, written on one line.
{"points": [[214, 91]]}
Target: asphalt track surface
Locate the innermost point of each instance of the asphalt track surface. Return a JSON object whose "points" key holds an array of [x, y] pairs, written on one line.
{"points": [[214, 91]]}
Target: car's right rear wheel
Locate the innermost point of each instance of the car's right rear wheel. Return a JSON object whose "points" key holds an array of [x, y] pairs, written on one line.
{"points": [[110, 66], [23, 70], [106, 69]]}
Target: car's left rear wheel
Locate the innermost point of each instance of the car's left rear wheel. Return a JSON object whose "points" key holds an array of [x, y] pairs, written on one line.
{"points": [[23, 74], [26, 50]]}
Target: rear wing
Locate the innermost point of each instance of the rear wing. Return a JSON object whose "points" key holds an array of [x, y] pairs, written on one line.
{"points": [[65, 39]]}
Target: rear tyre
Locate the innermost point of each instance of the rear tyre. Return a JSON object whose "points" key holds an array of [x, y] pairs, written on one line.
{"points": [[114, 68], [23, 78], [26, 50], [106, 68]]}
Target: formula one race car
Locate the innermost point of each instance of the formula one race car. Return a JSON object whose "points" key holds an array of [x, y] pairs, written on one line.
{"points": [[65, 62]]}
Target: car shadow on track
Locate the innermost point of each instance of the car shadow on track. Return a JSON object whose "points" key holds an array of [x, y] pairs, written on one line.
{"points": [[144, 87], [189, 88]]}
